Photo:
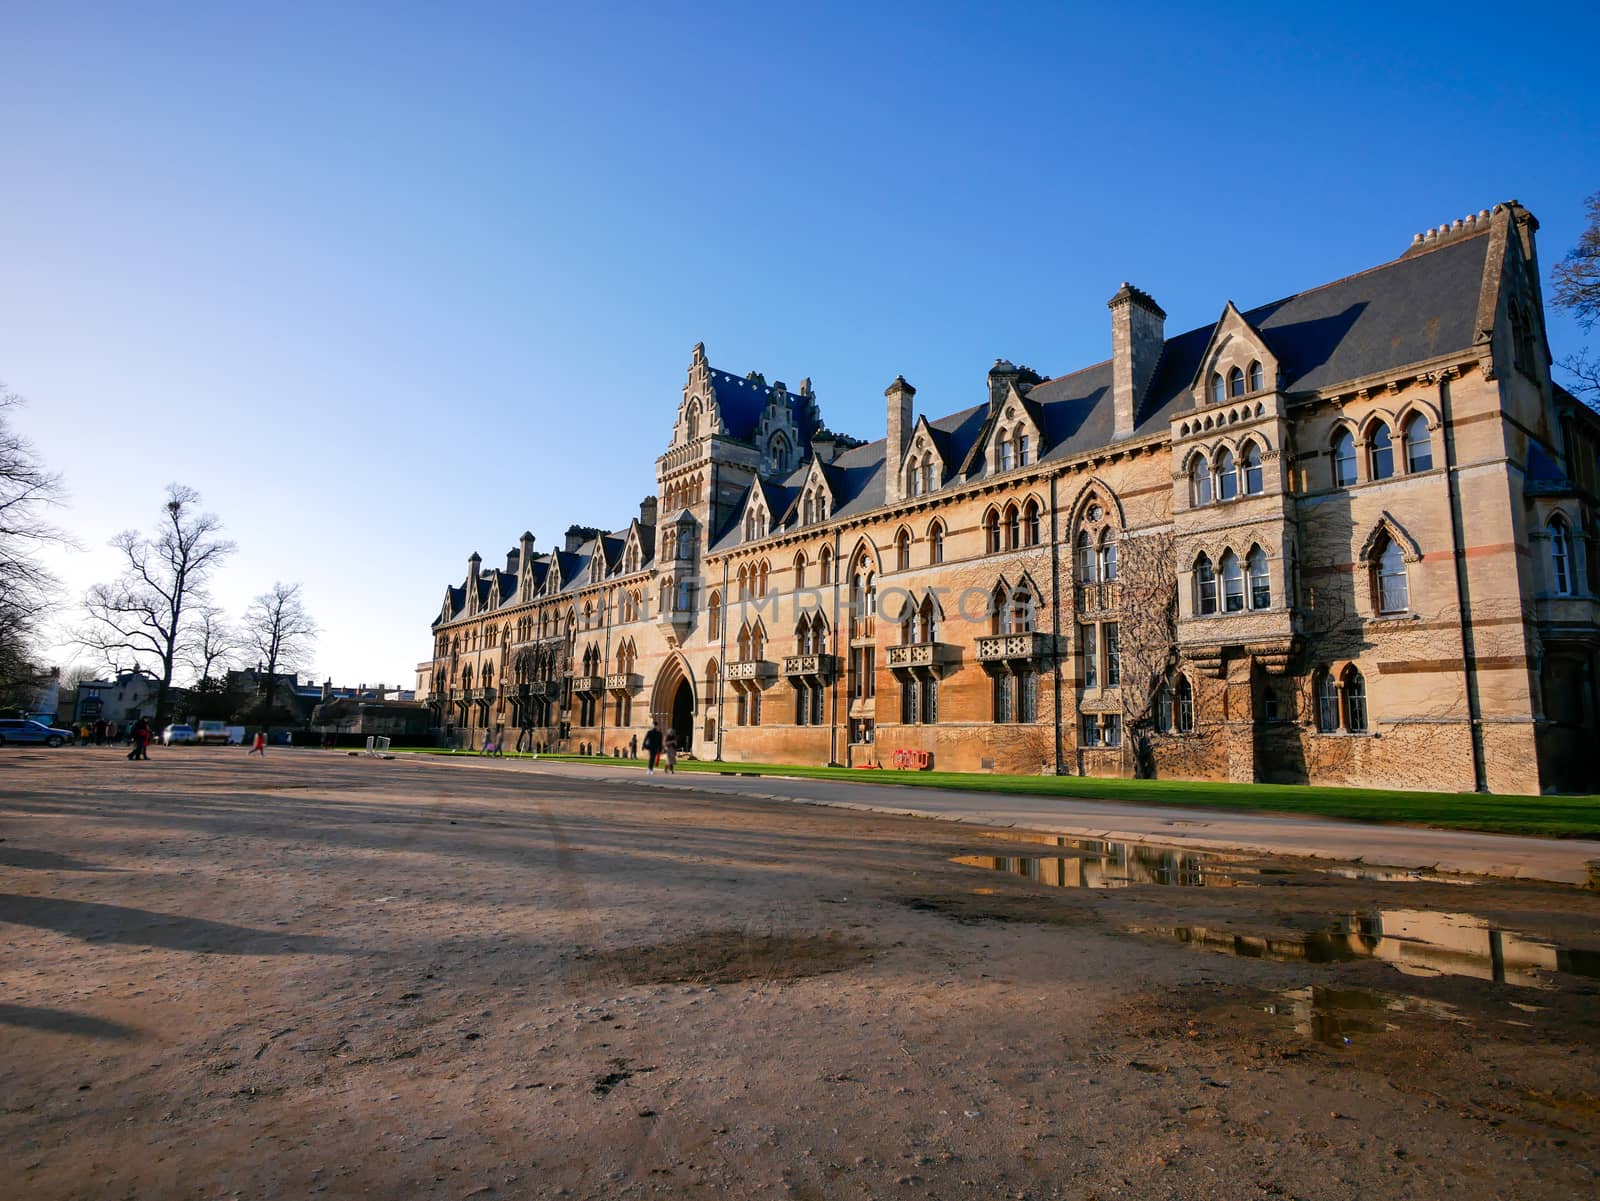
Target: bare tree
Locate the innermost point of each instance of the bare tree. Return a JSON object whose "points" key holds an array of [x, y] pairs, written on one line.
{"points": [[27, 590], [280, 632], [1576, 280], [212, 643], [144, 615]]}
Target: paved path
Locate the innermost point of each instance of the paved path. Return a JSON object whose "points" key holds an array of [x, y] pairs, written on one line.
{"points": [[1507, 855]]}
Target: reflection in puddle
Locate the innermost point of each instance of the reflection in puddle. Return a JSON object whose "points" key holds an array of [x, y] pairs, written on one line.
{"points": [[1097, 864], [1333, 1015], [1416, 942]]}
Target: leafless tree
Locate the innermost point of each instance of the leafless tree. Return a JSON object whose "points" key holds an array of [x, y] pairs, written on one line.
{"points": [[143, 617], [212, 643], [279, 631], [27, 590], [1576, 280]]}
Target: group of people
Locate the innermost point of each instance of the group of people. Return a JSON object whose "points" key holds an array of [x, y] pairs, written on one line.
{"points": [[99, 733], [657, 744]]}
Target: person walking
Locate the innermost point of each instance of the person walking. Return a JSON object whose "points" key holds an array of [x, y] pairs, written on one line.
{"points": [[258, 746], [672, 752], [652, 747], [141, 740], [488, 743]]}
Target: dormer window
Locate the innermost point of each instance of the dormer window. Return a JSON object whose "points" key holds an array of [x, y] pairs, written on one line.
{"points": [[1024, 449], [1007, 454], [1255, 376], [927, 473], [1235, 382], [1218, 391]]}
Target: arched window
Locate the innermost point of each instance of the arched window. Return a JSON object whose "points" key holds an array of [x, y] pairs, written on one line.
{"points": [[1013, 528], [1030, 523], [1380, 452], [800, 570], [1163, 710], [1355, 701], [1327, 689], [761, 584], [1344, 459], [744, 644], [936, 542], [1419, 447], [1235, 382], [693, 422], [1185, 714], [742, 591], [1205, 586], [1086, 558], [1560, 556], [714, 616], [810, 509], [902, 551], [1008, 453], [997, 609], [1218, 392], [1200, 481], [713, 678], [1232, 583], [1024, 448], [825, 565], [913, 481], [1106, 555], [780, 453], [991, 531], [1393, 595], [1021, 613], [927, 473], [1256, 382], [1253, 481], [1227, 476], [1260, 580], [927, 621]]}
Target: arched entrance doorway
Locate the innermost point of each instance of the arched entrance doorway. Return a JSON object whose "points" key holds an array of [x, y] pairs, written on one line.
{"points": [[672, 701]]}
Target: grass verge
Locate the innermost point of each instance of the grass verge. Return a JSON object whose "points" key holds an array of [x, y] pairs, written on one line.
{"points": [[1543, 816]]}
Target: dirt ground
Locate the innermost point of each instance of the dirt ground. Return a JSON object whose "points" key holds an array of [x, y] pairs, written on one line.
{"points": [[327, 976]]}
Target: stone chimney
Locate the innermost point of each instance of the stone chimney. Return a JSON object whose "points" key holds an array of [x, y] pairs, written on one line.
{"points": [[647, 510], [824, 448], [513, 558], [577, 535], [1138, 333], [525, 547], [900, 395], [1001, 375], [474, 565]]}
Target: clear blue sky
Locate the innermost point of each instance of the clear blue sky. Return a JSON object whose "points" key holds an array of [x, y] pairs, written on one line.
{"points": [[389, 285]]}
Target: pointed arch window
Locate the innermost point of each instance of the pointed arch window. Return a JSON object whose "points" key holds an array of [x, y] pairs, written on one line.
{"points": [[1380, 452], [742, 587], [780, 453], [1392, 590], [1030, 523], [927, 473], [1218, 391], [936, 543], [714, 615], [1355, 701], [1419, 447], [1106, 555], [1200, 481], [1327, 703], [1024, 448], [902, 551], [1227, 476], [1008, 455], [1013, 528], [1260, 579], [800, 570], [1235, 382], [693, 423], [1560, 556], [991, 531], [1344, 459], [760, 581], [1232, 583], [1184, 722], [913, 481], [1251, 470], [825, 565], [1205, 586], [1256, 381], [810, 509], [1163, 710], [1086, 558], [1021, 613]]}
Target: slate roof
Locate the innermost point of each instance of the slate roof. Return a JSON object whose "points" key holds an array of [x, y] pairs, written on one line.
{"points": [[743, 401], [1410, 310]]}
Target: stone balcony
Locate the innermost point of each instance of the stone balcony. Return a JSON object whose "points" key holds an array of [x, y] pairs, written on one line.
{"points": [[588, 684], [1001, 648], [917, 656], [624, 681], [750, 669], [818, 666]]}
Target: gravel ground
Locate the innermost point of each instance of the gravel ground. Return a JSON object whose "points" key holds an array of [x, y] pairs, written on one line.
{"points": [[329, 976]]}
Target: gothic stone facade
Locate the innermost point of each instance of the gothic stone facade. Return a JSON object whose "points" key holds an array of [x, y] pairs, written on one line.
{"points": [[1344, 538]]}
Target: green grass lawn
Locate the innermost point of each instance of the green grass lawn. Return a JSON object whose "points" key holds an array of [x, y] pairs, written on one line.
{"points": [[1545, 816]]}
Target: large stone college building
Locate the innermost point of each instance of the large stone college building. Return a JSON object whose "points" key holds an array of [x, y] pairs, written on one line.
{"points": [[1347, 537]]}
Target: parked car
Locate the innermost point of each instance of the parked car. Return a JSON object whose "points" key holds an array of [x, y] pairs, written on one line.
{"points": [[212, 732], [174, 735], [18, 731]]}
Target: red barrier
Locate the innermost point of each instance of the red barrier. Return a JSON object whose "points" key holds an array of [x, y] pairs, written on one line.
{"points": [[908, 759]]}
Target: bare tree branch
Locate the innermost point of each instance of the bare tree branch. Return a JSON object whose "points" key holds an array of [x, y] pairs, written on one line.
{"points": [[27, 589], [212, 643], [280, 632], [143, 616]]}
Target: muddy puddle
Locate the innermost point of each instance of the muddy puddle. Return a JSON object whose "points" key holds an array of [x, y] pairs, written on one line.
{"points": [[1416, 942], [1339, 1017]]}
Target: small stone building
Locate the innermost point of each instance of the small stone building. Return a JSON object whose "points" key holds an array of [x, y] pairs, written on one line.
{"points": [[1346, 537]]}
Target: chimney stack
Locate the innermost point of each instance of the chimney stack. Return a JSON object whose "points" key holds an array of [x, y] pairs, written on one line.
{"points": [[647, 510], [513, 558], [474, 565], [525, 547], [900, 395], [1138, 334]]}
